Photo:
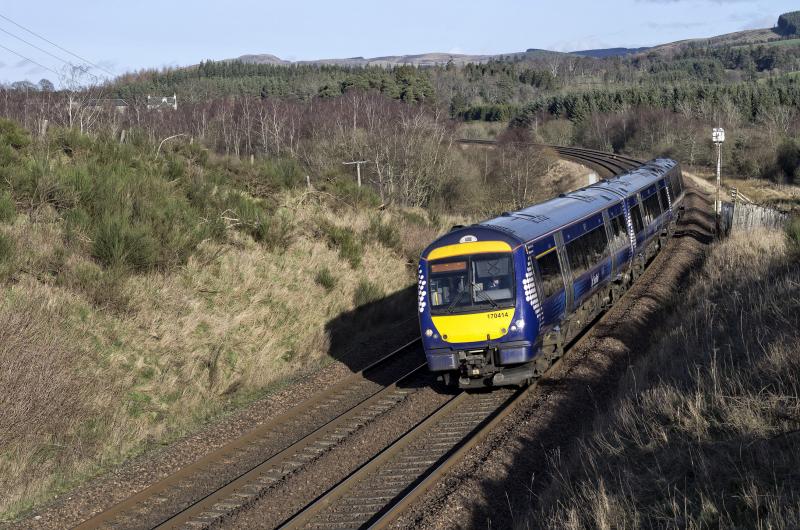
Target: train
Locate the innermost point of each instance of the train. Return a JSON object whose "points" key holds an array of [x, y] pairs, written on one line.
{"points": [[500, 300]]}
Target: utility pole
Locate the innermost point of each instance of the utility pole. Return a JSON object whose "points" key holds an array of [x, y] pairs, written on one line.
{"points": [[718, 135], [358, 168]]}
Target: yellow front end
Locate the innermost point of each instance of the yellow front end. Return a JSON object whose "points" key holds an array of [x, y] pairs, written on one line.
{"points": [[475, 327]]}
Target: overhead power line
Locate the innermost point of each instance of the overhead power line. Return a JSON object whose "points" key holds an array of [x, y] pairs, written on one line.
{"points": [[38, 48], [29, 59], [57, 46]]}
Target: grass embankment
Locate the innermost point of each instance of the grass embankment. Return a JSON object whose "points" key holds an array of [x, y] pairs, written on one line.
{"points": [[782, 197], [705, 430], [142, 295]]}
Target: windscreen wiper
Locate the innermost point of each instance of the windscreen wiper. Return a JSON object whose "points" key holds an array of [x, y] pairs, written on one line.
{"points": [[483, 293], [451, 307]]}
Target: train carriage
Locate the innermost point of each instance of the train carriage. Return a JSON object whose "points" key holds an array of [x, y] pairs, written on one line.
{"points": [[499, 300]]}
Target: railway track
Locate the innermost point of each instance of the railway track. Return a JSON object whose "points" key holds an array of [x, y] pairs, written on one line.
{"points": [[378, 492], [243, 470], [608, 164]]}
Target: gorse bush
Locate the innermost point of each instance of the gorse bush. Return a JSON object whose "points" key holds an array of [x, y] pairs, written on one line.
{"points": [[386, 234], [326, 279], [8, 210], [141, 212], [345, 240], [275, 233], [793, 233], [13, 138], [6, 249], [281, 173], [120, 243], [366, 292]]}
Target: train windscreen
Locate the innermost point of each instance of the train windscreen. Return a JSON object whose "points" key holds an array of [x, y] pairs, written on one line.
{"points": [[475, 283]]}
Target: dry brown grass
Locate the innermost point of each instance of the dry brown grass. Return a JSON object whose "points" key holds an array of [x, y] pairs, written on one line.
{"points": [[51, 420], [784, 197], [704, 432], [89, 377], [99, 364]]}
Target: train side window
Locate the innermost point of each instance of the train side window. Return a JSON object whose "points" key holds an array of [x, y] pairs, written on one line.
{"points": [[587, 251], [651, 209], [550, 271], [636, 216], [619, 233], [664, 200]]}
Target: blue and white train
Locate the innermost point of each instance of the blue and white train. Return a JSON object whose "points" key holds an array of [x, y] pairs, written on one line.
{"points": [[499, 300]]}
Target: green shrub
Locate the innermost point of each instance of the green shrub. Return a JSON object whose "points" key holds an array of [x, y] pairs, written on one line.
{"points": [[176, 169], [345, 240], [326, 279], [384, 233], [70, 141], [275, 232], [13, 135], [347, 190], [104, 289], [13, 139], [8, 211], [119, 243], [366, 292], [281, 173], [6, 249], [793, 233], [413, 218]]}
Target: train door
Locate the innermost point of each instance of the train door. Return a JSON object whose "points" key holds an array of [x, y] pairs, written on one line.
{"points": [[618, 237], [664, 198], [651, 210], [587, 249], [565, 268], [635, 209], [550, 280]]}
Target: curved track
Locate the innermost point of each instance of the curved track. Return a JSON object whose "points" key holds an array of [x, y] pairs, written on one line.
{"points": [[377, 493], [235, 475], [606, 164]]}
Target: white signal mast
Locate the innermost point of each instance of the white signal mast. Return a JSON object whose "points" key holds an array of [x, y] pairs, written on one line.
{"points": [[718, 135]]}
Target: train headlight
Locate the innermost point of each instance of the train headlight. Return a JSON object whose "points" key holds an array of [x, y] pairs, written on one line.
{"points": [[518, 325], [429, 333]]}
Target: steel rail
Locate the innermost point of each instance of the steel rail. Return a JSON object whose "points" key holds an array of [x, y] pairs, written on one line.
{"points": [[611, 163], [240, 490], [228, 451], [384, 515]]}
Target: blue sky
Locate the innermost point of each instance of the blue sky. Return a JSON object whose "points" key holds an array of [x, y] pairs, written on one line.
{"points": [[132, 35]]}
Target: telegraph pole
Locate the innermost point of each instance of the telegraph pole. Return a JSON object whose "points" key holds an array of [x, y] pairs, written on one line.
{"points": [[718, 135], [358, 168]]}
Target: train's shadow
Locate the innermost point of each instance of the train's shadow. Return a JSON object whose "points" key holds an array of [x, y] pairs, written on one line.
{"points": [[360, 337]]}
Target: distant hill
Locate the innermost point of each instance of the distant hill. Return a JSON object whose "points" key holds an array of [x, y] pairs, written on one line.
{"points": [[738, 38], [609, 52], [423, 59], [788, 25]]}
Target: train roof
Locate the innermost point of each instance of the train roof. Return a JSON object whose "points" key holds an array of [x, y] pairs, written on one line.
{"points": [[540, 219]]}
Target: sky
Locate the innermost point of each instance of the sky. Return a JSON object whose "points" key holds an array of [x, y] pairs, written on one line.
{"points": [[125, 36]]}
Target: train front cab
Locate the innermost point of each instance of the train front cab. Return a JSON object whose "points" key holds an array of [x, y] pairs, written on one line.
{"points": [[476, 312]]}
